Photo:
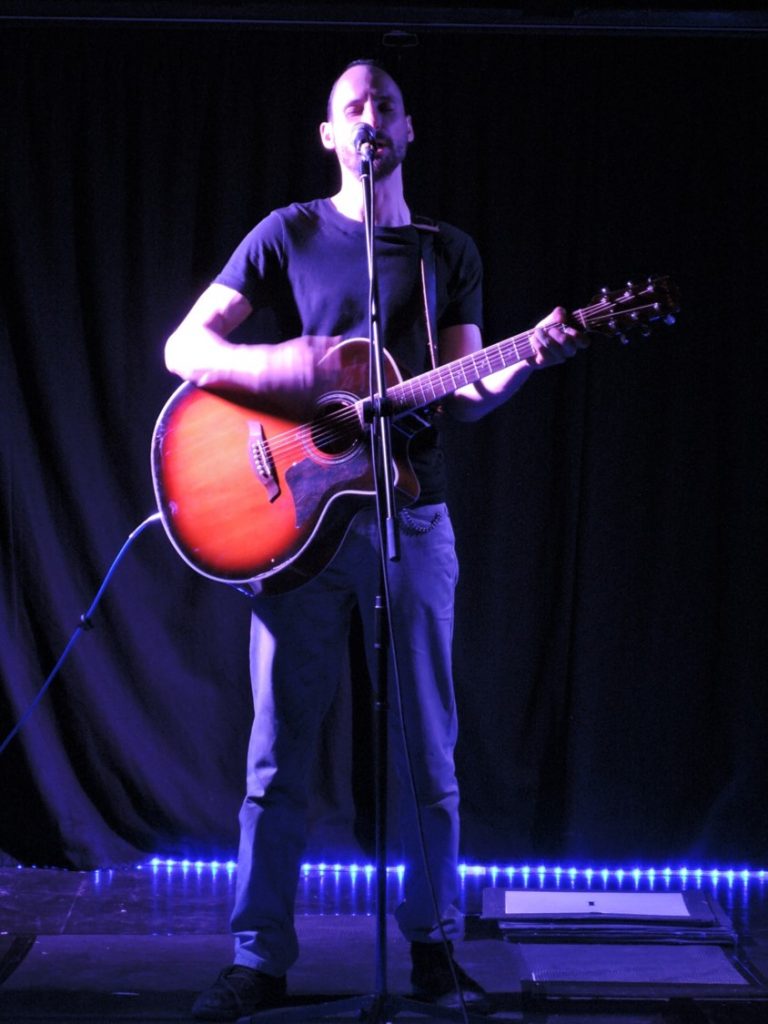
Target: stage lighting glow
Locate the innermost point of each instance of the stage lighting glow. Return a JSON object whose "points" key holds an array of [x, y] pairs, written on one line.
{"points": [[522, 875], [171, 865]]}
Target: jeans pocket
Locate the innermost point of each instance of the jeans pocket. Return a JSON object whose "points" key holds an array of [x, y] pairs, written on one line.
{"points": [[422, 519]]}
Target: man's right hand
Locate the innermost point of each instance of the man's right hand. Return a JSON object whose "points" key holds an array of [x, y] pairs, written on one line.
{"points": [[294, 369], [291, 374]]}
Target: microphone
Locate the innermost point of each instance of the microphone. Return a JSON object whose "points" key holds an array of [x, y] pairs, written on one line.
{"points": [[364, 140]]}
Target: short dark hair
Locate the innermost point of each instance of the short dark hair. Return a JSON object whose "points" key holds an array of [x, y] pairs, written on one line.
{"points": [[369, 62]]}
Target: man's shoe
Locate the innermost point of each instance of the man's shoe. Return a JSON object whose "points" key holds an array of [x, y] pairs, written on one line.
{"points": [[237, 992], [433, 980]]}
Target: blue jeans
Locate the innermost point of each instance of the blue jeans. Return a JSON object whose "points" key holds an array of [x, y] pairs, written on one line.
{"points": [[298, 647]]}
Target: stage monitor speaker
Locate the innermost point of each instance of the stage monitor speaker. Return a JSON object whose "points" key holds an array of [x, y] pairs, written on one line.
{"points": [[636, 946]]}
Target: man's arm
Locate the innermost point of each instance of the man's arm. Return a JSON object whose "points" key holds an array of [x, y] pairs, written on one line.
{"points": [[554, 344], [198, 351]]}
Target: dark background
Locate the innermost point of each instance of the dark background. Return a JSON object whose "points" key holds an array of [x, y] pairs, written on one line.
{"points": [[611, 638]]}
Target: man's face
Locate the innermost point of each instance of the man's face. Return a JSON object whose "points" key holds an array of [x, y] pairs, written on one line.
{"points": [[367, 94]]}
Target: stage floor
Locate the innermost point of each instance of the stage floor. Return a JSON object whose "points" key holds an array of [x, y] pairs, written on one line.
{"points": [[138, 944]]}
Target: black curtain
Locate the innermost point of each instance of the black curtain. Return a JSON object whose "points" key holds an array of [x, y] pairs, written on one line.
{"points": [[611, 636]]}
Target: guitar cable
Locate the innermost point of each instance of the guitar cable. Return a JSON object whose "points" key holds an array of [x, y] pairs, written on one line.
{"points": [[86, 623]]}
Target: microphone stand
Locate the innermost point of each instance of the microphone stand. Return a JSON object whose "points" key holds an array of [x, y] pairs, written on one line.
{"points": [[379, 1007], [379, 414]]}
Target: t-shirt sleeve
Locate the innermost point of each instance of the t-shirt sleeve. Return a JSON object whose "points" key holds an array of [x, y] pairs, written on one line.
{"points": [[462, 271], [256, 267]]}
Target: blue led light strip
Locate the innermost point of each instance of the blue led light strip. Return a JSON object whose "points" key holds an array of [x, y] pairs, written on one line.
{"points": [[513, 874]]}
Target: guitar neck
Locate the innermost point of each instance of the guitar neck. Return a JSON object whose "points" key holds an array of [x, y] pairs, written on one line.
{"points": [[610, 313], [433, 385]]}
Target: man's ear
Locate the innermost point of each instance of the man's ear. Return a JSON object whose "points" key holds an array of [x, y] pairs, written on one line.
{"points": [[327, 136], [411, 135]]}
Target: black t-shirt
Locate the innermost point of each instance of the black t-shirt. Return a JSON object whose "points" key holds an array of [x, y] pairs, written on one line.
{"points": [[304, 271]]}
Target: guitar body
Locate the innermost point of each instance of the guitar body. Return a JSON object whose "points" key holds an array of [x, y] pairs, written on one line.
{"points": [[247, 493]]}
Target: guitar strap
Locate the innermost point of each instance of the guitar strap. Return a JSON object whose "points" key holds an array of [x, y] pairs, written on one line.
{"points": [[427, 229]]}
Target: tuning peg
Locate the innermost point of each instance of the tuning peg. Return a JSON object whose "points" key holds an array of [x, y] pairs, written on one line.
{"points": [[614, 329], [638, 322]]}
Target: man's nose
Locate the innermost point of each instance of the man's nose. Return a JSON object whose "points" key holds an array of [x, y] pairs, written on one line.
{"points": [[370, 115]]}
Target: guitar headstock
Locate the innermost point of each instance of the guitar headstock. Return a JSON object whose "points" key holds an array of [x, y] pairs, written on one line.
{"points": [[637, 305]]}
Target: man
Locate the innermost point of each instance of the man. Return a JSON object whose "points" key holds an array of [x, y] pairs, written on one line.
{"points": [[306, 264]]}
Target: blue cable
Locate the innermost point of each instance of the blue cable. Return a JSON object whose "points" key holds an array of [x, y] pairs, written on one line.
{"points": [[85, 623]]}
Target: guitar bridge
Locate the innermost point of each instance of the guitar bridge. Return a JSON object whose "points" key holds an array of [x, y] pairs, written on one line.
{"points": [[262, 461]]}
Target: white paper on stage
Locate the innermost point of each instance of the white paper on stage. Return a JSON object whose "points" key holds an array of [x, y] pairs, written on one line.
{"points": [[518, 903]]}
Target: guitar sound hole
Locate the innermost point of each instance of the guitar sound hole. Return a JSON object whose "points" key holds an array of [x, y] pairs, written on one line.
{"points": [[335, 431]]}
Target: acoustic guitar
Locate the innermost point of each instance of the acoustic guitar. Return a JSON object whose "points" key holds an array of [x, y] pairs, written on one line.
{"points": [[248, 495]]}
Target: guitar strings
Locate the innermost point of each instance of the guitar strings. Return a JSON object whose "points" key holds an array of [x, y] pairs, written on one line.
{"points": [[326, 428]]}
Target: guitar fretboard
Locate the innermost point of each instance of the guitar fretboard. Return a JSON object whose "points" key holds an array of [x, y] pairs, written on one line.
{"points": [[436, 384], [611, 313]]}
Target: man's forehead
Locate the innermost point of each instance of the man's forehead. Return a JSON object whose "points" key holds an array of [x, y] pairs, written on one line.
{"points": [[363, 80]]}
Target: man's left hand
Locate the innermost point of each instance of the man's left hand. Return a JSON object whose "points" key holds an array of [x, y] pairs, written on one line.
{"points": [[555, 340]]}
